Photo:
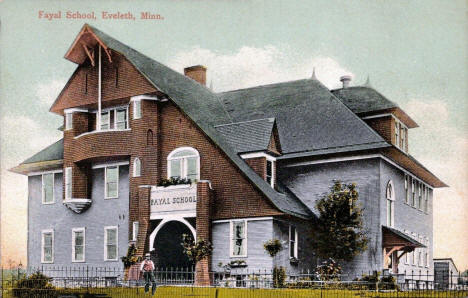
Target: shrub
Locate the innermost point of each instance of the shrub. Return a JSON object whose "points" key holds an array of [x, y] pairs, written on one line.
{"points": [[174, 181], [329, 270], [131, 257], [196, 251], [35, 285], [279, 277]]}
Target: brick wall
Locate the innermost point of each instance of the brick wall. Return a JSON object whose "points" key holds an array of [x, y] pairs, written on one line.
{"points": [[384, 126]]}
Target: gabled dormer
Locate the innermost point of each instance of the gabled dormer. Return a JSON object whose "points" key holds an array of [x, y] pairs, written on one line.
{"points": [[257, 142], [380, 113]]}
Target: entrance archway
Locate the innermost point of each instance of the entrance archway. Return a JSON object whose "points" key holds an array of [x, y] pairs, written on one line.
{"points": [[167, 247]]}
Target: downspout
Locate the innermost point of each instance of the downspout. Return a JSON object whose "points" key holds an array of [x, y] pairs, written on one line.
{"points": [[99, 92]]}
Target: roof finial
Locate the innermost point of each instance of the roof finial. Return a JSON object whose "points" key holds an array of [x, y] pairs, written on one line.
{"points": [[367, 83], [211, 84], [314, 77]]}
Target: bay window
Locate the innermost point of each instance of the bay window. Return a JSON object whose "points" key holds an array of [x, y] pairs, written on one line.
{"points": [[115, 118], [68, 183], [110, 243], [184, 162], [112, 182], [238, 238]]}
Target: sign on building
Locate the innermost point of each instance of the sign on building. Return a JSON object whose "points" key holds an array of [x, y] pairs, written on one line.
{"points": [[175, 199]]}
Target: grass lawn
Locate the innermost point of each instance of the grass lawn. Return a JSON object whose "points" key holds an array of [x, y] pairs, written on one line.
{"points": [[175, 292]]}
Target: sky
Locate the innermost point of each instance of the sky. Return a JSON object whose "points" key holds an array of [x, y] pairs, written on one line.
{"points": [[415, 53]]}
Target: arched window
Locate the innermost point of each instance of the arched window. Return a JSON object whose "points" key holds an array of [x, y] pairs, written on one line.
{"points": [[184, 162], [136, 167], [149, 137], [390, 195]]}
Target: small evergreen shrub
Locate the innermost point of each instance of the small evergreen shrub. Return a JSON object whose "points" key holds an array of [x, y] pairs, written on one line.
{"points": [[279, 277], [35, 285]]}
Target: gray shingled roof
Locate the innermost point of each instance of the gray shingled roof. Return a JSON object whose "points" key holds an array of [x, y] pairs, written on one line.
{"points": [[308, 116], [52, 152], [248, 136], [363, 99], [206, 110]]}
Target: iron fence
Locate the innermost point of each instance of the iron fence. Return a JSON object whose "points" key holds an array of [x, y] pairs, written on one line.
{"points": [[181, 282]]}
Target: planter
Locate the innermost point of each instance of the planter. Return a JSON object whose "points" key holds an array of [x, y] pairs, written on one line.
{"points": [[293, 261]]}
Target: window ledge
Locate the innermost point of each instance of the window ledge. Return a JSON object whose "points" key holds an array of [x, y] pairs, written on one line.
{"points": [[77, 205], [48, 203], [101, 131]]}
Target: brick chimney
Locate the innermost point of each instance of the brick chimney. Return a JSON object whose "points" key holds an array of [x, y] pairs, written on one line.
{"points": [[197, 73]]}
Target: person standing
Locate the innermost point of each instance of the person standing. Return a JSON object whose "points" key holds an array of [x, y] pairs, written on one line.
{"points": [[147, 267]]}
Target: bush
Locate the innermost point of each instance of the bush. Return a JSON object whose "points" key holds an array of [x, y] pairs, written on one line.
{"points": [[279, 277], [384, 283], [329, 270], [36, 285], [196, 251]]}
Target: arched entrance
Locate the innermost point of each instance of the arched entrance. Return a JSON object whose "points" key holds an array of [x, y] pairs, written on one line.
{"points": [[167, 248]]}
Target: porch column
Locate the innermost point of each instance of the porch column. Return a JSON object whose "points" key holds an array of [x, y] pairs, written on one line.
{"points": [[203, 227]]}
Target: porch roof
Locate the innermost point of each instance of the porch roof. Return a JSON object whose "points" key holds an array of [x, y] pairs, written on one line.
{"points": [[392, 237]]}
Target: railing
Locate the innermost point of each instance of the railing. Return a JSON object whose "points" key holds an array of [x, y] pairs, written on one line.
{"points": [[181, 282]]}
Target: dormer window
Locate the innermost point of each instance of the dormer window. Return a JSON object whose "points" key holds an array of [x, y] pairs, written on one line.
{"points": [[401, 135], [270, 172]]}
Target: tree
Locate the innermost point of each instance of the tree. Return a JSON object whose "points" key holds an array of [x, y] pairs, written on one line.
{"points": [[339, 232]]}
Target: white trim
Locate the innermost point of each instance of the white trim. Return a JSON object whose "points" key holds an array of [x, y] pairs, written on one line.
{"points": [[144, 97], [134, 105], [116, 228], [68, 179], [135, 230], [109, 164], [355, 157], [379, 116], [53, 189], [101, 131], [231, 225], [258, 154], [245, 218], [136, 161], [183, 160], [44, 172], [74, 230], [47, 231], [166, 219], [296, 238], [105, 181], [73, 110]]}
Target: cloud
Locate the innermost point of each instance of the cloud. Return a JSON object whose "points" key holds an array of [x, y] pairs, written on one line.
{"points": [[442, 148], [48, 92], [251, 66]]}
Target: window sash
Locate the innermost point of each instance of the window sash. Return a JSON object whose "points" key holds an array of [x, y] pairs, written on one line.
{"points": [[112, 182], [48, 188], [184, 164], [68, 121], [269, 172], [47, 247], [111, 243], [120, 119], [105, 120], [239, 238], [293, 242], [136, 109], [78, 245]]}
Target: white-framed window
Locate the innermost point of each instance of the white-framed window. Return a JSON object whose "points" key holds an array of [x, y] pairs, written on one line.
{"points": [[238, 238], [270, 172], [390, 196], [427, 252], [426, 199], [78, 244], [413, 193], [136, 167], [397, 133], [68, 182], [111, 240], [111, 182], [68, 121], [407, 192], [136, 227], [407, 255], [136, 109], [419, 201], [114, 118], [105, 120], [48, 188], [184, 162], [414, 254], [47, 246], [293, 241]]}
